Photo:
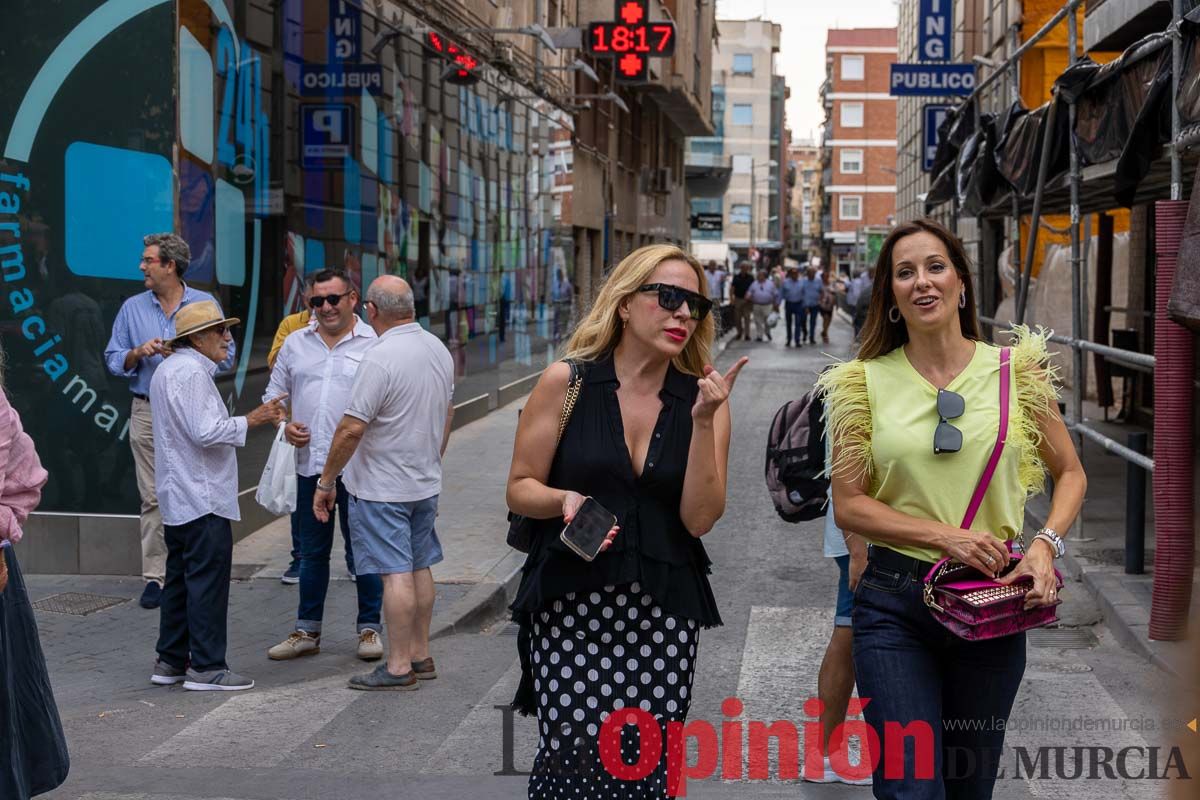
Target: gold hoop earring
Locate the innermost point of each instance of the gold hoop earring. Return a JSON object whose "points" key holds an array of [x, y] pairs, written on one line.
{"points": [[896, 318]]}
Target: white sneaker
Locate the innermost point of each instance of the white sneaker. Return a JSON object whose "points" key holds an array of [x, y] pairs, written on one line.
{"points": [[829, 775], [370, 647], [298, 643]]}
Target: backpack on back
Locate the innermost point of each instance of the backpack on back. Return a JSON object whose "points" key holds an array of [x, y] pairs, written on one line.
{"points": [[795, 464]]}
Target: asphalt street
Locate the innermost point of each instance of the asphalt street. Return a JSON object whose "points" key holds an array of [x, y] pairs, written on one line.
{"points": [[302, 735]]}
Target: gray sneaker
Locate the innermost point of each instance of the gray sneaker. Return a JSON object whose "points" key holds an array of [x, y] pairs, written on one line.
{"points": [[380, 680], [166, 675], [219, 680]]}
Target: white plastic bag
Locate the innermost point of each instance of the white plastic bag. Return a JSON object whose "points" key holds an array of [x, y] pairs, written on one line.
{"points": [[277, 487], [772, 319]]}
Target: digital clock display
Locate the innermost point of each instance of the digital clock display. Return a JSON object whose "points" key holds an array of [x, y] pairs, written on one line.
{"points": [[630, 40]]}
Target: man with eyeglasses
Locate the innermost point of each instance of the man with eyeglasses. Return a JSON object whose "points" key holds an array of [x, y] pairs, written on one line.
{"points": [[316, 369], [144, 325]]}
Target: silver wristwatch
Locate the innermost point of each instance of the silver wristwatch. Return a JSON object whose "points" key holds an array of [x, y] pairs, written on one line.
{"points": [[1054, 540]]}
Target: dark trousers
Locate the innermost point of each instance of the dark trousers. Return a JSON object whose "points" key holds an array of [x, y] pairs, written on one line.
{"points": [[793, 314], [913, 670], [33, 750], [316, 543], [809, 315], [195, 598]]}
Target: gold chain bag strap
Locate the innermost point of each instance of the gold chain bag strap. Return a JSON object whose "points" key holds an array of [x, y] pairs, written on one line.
{"points": [[520, 529], [3, 569]]}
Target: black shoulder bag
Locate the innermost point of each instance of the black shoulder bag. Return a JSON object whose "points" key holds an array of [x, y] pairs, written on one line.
{"points": [[520, 529]]}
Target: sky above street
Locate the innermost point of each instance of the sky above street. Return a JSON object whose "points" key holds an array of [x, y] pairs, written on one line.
{"points": [[801, 57]]}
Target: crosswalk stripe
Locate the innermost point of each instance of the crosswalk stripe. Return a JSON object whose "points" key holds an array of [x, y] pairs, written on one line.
{"points": [[241, 732], [474, 747], [783, 652]]}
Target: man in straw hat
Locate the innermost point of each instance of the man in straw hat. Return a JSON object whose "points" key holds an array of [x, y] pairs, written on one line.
{"points": [[197, 485]]}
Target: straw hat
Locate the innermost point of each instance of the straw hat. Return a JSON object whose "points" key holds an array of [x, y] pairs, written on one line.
{"points": [[196, 317]]}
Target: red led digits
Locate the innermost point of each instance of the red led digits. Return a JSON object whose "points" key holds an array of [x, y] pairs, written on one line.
{"points": [[462, 70], [630, 39]]}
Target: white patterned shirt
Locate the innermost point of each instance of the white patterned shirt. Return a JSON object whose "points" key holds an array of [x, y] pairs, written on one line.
{"points": [[317, 380], [195, 466]]}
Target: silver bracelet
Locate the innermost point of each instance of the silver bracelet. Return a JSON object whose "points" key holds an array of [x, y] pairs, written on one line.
{"points": [[325, 488]]}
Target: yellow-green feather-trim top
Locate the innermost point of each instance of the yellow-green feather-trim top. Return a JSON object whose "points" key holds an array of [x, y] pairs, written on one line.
{"points": [[1035, 380], [848, 416]]}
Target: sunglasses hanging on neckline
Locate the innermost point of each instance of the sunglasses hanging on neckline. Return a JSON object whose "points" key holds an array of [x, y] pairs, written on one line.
{"points": [[946, 437]]}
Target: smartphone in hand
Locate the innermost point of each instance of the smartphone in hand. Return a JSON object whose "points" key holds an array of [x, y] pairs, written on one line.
{"points": [[587, 530]]}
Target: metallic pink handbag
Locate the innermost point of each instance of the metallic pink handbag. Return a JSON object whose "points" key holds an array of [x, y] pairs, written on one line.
{"points": [[968, 603]]}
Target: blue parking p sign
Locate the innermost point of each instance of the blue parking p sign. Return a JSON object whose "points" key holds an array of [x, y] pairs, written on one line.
{"points": [[932, 115], [326, 135]]}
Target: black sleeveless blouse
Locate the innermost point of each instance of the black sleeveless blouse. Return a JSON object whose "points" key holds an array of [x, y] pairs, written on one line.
{"points": [[653, 547]]}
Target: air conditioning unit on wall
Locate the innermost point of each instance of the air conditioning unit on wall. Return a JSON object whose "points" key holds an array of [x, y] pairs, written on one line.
{"points": [[662, 181]]}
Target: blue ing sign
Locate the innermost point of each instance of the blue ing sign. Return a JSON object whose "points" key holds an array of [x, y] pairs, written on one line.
{"points": [[933, 33]]}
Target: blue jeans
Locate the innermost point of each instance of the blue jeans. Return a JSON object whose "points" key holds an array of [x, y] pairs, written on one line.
{"points": [[794, 313], [316, 543], [914, 670]]}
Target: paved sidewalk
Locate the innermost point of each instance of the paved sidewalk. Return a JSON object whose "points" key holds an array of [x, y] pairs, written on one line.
{"points": [[1095, 555]]}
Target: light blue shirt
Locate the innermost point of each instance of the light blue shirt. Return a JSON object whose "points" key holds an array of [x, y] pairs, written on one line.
{"points": [[793, 290], [195, 465], [141, 319], [811, 289], [835, 540]]}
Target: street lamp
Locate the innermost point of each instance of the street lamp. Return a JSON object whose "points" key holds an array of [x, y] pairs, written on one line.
{"points": [[612, 97], [578, 66], [535, 30]]}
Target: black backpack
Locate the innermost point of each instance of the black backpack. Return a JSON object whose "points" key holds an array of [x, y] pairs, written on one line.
{"points": [[795, 468]]}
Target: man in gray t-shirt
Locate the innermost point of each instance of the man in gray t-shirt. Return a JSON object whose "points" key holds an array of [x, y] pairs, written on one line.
{"points": [[390, 442]]}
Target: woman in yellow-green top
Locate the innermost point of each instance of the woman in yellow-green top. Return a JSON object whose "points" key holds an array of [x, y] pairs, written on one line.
{"points": [[907, 499]]}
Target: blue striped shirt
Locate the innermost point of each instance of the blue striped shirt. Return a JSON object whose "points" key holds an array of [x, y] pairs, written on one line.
{"points": [[141, 319]]}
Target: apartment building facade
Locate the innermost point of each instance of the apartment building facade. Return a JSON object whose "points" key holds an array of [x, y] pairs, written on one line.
{"points": [[629, 162], [741, 170], [804, 161], [859, 144]]}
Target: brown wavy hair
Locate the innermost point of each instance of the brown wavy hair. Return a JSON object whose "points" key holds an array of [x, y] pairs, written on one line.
{"points": [[880, 335], [600, 330]]}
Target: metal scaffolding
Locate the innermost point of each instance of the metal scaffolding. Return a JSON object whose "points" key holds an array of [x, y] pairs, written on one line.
{"points": [[1024, 266]]}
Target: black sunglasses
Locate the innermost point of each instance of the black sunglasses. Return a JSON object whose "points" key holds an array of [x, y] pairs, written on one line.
{"points": [[946, 437], [316, 301], [672, 297]]}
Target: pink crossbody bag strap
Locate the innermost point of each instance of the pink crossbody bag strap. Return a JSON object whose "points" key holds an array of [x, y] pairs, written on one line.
{"points": [[988, 471]]}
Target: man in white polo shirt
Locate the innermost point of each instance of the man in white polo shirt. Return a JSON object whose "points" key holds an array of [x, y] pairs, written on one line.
{"points": [[396, 427]]}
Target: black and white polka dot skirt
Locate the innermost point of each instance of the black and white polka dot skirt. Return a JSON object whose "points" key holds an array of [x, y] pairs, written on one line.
{"points": [[592, 654]]}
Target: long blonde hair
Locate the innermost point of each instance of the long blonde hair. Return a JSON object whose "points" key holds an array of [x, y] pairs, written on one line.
{"points": [[599, 332]]}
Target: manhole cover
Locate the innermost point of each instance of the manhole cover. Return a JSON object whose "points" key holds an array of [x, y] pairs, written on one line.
{"points": [[1063, 638], [78, 603]]}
